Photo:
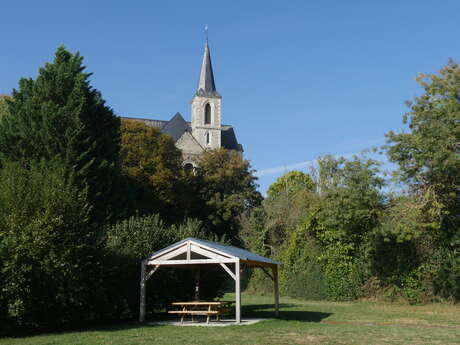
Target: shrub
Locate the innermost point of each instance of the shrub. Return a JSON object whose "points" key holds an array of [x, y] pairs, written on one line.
{"points": [[131, 240], [49, 260]]}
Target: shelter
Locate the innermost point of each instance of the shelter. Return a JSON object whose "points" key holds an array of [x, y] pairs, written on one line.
{"points": [[193, 252]]}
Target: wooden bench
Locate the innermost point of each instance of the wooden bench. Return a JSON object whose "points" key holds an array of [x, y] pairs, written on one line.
{"points": [[192, 309], [183, 313]]}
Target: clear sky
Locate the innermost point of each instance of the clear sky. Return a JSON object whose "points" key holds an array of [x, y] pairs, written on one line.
{"points": [[298, 78]]}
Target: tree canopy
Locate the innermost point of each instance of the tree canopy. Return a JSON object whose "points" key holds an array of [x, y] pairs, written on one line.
{"points": [[227, 188], [60, 115], [153, 165], [429, 154]]}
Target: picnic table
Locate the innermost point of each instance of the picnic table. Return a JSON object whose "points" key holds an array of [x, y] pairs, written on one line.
{"points": [[207, 309]]}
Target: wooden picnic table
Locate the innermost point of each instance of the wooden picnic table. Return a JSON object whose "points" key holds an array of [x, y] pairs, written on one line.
{"points": [[205, 308]]}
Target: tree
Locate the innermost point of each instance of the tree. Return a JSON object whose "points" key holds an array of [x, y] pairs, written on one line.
{"points": [[291, 183], [227, 188], [154, 167], [59, 115], [429, 154]]}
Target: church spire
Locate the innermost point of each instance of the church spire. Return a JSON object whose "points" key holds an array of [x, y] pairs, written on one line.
{"points": [[206, 84]]}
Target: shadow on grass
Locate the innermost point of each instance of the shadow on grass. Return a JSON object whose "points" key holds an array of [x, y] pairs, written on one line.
{"points": [[259, 311], [267, 311]]}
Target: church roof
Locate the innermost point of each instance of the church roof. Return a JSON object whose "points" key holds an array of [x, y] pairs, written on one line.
{"points": [[228, 139], [206, 84], [177, 126]]}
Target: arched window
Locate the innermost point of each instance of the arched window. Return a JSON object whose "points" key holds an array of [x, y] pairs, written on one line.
{"points": [[207, 114], [207, 138]]}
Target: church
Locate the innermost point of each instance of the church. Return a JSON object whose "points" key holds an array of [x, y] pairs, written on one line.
{"points": [[205, 131]]}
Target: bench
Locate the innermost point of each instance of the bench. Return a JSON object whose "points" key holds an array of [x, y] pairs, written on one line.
{"points": [[183, 313], [192, 309]]}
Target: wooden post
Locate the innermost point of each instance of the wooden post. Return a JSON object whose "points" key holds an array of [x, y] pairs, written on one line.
{"points": [[197, 284], [276, 289], [237, 292], [142, 296]]}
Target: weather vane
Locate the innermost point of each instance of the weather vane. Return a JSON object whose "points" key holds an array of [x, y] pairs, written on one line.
{"points": [[206, 32]]}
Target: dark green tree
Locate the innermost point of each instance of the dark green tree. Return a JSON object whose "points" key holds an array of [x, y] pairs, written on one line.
{"points": [[59, 115]]}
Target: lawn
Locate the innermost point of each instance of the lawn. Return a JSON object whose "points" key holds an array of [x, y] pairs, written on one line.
{"points": [[300, 322]]}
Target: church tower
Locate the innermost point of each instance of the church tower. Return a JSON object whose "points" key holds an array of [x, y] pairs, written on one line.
{"points": [[206, 107]]}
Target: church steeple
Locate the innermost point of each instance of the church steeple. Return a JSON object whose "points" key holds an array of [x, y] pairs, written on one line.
{"points": [[206, 84], [206, 106]]}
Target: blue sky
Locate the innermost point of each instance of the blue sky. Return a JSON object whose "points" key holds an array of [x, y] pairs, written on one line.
{"points": [[299, 79]]}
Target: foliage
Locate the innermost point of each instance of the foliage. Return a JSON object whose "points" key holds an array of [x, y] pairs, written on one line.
{"points": [[137, 237], [227, 188], [291, 183], [49, 271], [429, 155], [4, 105], [59, 115], [321, 232], [154, 167], [429, 163]]}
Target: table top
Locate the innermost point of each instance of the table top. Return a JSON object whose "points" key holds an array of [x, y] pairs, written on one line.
{"points": [[203, 303]]}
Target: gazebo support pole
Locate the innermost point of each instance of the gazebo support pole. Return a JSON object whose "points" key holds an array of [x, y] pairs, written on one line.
{"points": [[142, 295], [276, 289], [237, 292]]}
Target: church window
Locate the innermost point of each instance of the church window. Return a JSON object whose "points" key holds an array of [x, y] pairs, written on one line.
{"points": [[207, 138], [207, 114]]}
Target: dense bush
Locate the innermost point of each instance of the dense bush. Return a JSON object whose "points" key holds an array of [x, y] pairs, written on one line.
{"points": [[137, 237], [49, 268]]}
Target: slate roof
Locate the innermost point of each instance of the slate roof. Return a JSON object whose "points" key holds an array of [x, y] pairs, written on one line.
{"points": [[177, 126], [228, 139], [206, 84], [225, 249]]}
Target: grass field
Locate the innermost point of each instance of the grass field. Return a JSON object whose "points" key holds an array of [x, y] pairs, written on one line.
{"points": [[300, 322]]}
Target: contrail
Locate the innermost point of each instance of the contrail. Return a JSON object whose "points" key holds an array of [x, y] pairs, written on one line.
{"points": [[300, 165], [278, 169], [306, 164]]}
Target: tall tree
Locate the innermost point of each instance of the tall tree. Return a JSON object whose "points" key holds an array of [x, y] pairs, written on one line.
{"points": [[429, 154], [154, 166], [60, 115], [227, 189]]}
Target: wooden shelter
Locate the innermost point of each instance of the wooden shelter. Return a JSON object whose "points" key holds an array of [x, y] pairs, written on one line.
{"points": [[193, 253]]}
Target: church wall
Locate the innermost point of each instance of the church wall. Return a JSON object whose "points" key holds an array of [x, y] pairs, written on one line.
{"points": [[199, 128]]}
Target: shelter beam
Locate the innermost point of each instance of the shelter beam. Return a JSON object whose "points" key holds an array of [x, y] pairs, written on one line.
{"points": [[225, 267], [142, 294], [276, 289], [237, 292]]}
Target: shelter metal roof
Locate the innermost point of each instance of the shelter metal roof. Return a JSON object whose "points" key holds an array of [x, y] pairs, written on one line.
{"points": [[227, 250]]}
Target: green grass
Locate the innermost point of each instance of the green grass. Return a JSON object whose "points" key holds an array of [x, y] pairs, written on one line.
{"points": [[300, 322]]}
